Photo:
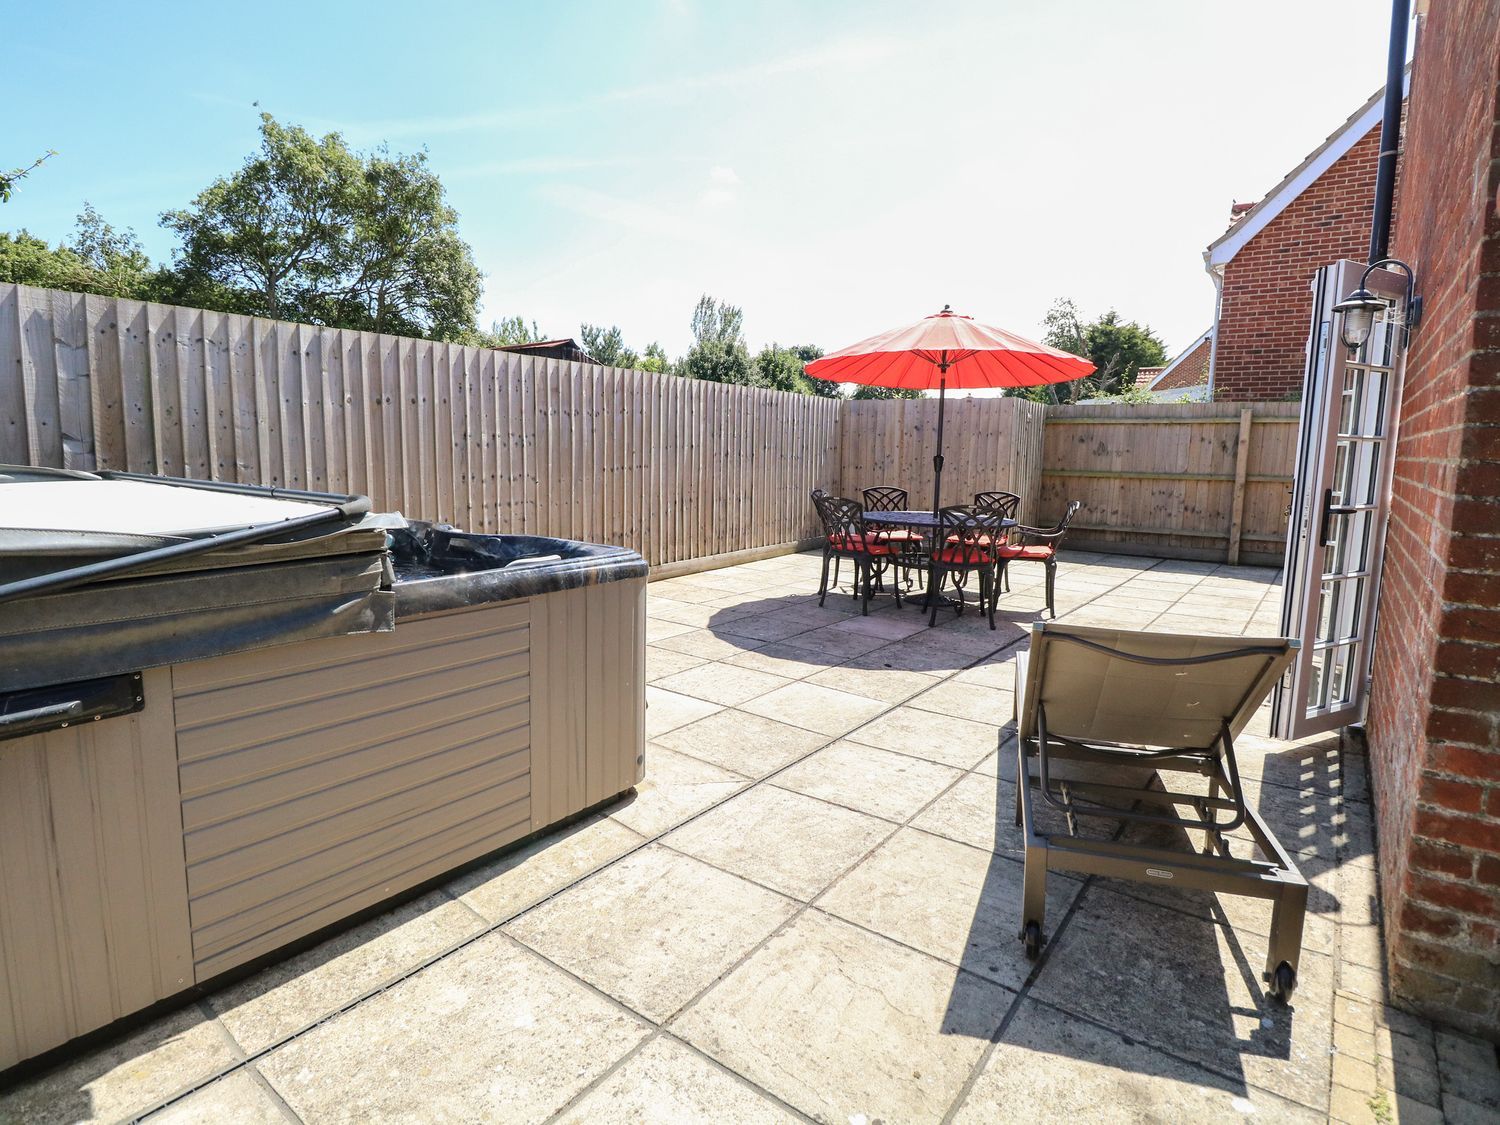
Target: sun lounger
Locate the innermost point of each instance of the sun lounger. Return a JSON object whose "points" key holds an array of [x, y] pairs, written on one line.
{"points": [[1129, 706]]}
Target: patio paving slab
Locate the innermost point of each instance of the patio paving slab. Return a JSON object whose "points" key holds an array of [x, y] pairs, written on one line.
{"points": [[662, 662], [889, 685], [955, 902], [504, 887], [668, 710], [668, 1082], [709, 644], [654, 929], [293, 993], [1053, 1068], [676, 787], [722, 683], [815, 708], [977, 811], [955, 742], [868, 779], [749, 745], [794, 844], [1192, 988], [490, 1033], [848, 1026], [127, 1076], [237, 1097], [794, 663], [968, 701]]}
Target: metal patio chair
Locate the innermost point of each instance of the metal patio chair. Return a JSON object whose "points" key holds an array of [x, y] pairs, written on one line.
{"points": [[846, 536], [963, 546], [889, 498], [1002, 504], [1036, 544], [1114, 699]]}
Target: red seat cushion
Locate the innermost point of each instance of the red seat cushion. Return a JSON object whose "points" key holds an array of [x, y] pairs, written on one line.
{"points": [[959, 555], [853, 543], [984, 539], [1038, 552]]}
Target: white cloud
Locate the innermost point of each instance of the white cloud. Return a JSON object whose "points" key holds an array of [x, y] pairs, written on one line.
{"points": [[721, 175]]}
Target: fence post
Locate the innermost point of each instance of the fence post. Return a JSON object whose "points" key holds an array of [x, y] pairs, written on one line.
{"points": [[1237, 507]]}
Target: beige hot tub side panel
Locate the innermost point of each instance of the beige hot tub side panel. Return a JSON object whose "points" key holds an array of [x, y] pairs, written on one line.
{"points": [[588, 707], [322, 778], [93, 900]]}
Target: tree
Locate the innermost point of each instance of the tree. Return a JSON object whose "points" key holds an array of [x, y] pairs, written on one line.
{"points": [[864, 393], [718, 353], [654, 358], [784, 369], [98, 259], [1116, 349], [9, 180], [607, 346], [309, 230]]}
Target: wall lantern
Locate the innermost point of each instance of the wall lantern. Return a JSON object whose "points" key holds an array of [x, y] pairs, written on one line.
{"points": [[1361, 306]]}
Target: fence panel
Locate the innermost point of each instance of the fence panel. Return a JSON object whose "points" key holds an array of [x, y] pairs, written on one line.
{"points": [[1175, 479], [480, 438], [988, 444]]}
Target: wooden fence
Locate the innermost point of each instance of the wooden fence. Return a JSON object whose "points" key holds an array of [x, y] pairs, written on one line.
{"points": [[487, 440], [678, 469], [1182, 480], [988, 443]]}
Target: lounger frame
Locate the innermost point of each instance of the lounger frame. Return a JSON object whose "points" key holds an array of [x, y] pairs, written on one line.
{"points": [[1210, 867]]}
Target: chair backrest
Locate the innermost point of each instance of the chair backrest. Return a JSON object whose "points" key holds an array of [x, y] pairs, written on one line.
{"points": [[885, 498], [1003, 504], [844, 521], [964, 538], [1146, 689]]}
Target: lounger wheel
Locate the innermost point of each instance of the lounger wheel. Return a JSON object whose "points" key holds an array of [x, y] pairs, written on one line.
{"points": [[1283, 982], [1031, 934]]}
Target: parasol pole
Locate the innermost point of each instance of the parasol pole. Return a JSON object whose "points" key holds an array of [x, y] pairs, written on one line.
{"points": [[937, 460]]}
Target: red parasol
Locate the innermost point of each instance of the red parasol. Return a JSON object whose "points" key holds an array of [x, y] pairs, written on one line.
{"points": [[945, 350]]}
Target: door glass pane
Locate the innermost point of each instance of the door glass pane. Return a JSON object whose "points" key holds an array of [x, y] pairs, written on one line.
{"points": [[1372, 424], [1357, 538], [1349, 402], [1339, 665]]}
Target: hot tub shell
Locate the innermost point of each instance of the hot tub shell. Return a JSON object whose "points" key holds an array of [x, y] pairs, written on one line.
{"points": [[260, 797]]}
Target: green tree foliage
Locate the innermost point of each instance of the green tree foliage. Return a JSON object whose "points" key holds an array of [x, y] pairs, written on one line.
{"points": [[1117, 349], [718, 353], [9, 180], [309, 230], [882, 393], [504, 333], [654, 358], [784, 369], [98, 259], [607, 346]]}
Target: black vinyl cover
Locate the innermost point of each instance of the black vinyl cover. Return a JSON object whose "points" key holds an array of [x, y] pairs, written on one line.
{"points": [[145, 621]]}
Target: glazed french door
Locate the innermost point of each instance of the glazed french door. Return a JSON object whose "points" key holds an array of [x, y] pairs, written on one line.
{"points": [[1340, 502]]}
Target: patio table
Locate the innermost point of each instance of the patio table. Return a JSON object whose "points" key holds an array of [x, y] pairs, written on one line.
{"points": [[928, 521]]}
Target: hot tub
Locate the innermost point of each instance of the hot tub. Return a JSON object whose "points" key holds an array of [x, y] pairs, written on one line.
{"points": [[240, 723]]}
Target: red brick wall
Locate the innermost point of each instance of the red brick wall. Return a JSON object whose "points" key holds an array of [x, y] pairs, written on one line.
{"points": [[1192, 371], [1266, 301], [1434, 724]]}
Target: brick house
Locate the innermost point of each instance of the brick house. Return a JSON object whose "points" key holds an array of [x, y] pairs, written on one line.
{"points": [[1263, 264], [1181, 380], [1434, 722]]}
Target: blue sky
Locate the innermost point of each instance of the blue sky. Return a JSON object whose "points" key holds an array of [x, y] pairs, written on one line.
{"points": [[834, 168]]}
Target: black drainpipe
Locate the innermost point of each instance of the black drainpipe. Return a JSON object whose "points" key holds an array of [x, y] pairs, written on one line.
{"points": [[1390, 133]]}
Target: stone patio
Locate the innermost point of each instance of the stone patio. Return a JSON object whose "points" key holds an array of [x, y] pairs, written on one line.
{"points": [[809, 909]]}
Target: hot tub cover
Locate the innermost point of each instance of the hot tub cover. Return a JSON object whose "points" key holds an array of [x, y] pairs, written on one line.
{"points": [[107, 573]]}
